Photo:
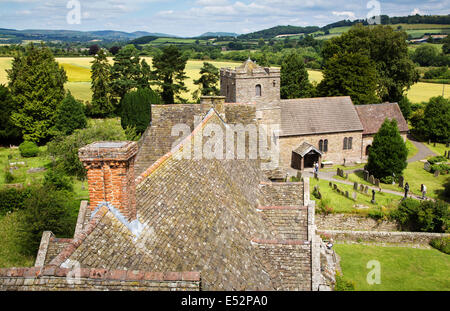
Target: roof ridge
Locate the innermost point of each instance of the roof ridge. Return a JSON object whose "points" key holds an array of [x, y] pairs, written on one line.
{"points": [[177, 148], [78, 240]]}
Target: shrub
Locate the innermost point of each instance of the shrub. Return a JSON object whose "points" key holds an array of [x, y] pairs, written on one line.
{"points": [[65, 148], [426, 216], [441, 244], [388, 180], [12, 199], [45, 210], [447, 189], [325, 207], [9, 177], [437, 159], [343, 284], [28, 149], [57, 181], [440, 167]]}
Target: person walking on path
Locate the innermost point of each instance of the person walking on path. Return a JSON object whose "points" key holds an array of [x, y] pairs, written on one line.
{"points": [[406, 191]]}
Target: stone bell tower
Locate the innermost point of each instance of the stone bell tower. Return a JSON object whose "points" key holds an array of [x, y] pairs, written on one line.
{"points": [[250, 83]]}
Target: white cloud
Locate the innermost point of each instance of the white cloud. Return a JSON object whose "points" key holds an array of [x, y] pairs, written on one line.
{"points": [[347, 14], [416, 11]]}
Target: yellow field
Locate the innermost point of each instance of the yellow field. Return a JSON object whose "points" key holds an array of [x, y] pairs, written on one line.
{"points": [[78, 72]]}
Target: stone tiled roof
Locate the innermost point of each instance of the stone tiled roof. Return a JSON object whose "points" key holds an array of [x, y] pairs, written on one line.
{"points": [[373, 116], [308, 116], [304, 148], [203, 215]]}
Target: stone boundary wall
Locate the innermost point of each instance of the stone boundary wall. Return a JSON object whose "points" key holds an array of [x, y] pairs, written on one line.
{"points": [[352, 223], [384, 237], [57, 279]]}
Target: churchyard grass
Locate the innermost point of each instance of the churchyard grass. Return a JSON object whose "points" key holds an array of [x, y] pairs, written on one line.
{"points": [[412, 149], [439, 149], [415, 175], [341, 204], [402, 268]]}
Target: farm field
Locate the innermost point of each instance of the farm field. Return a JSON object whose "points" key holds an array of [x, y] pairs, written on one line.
{"points": [[78, 72], [402, 268]]}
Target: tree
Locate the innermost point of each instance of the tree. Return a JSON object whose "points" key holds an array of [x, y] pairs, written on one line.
{"points": [[145, 75], [208, 81], [446, 46], [425, 55], [405, 107], [388, 153], [125, 72], [169, 73], [387, 48], [136, 109], [9, 132], [114, 49], [93, 49], [350, 74], [435, 123], [36, 83], [294, 78], [45, 210], [70, 115], [101, 105]]}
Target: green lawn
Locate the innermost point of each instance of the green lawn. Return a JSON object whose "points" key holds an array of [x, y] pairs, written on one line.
{"points": [[439, 149], [402, 268], [341, 204], [412, 149], [415, 175]]}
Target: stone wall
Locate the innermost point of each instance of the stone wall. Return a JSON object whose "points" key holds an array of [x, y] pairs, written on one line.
{"points": [[58, 279], [283, 194], [352, 222], [383, 237], [336, 152]]}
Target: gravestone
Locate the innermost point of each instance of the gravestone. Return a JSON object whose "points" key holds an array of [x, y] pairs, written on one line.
{"points": [[377, 182], [355, 186], [346, 175], [447, 145], [401, 181], [448, 155], [330, 184], [366, 175], [361, 188], [372, 179], [338, 172], [347, 194], [373, 197], [354, 196], [445, 154], [366, 190], [436, 173], [334, 186], [427, 166]]}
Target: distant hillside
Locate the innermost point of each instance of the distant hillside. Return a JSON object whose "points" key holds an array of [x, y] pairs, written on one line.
{"points": [[279, 30], [219, 34], [17, 36]]}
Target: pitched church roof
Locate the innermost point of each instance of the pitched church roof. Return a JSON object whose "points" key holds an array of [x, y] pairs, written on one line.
{"points": [[309, 116], [305, 148], [373, 116], [205, 215]]}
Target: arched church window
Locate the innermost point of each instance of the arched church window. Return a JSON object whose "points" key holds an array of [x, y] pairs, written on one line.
{"points": [[321, 145], [345, 143], [258, 90], [325, 145], [350, 143]]}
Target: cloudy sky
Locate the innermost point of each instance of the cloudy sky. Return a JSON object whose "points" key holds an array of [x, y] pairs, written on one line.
{"points": [[194, 17]]}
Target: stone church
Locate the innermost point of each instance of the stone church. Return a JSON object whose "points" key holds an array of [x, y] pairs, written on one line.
{"points": [[158, 221]]}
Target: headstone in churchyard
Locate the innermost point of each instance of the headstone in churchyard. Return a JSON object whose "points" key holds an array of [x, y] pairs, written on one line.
{"points": [[377, 182], [346, 175], [366, 190], [427, 166], [334, 186], [448, 155], [445, 154], [354, 196], [373, 197], [447, 145], [355, 186], [401, 181], [372, 179], [436, 173], [330, 184], [347, 194], [366, 175], [361, 188]]}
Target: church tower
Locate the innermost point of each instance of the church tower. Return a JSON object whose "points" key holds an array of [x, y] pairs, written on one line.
{"points": [[250, 83]]}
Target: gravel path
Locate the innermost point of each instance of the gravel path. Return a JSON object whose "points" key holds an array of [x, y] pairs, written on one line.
{"points": [[423, 153]]}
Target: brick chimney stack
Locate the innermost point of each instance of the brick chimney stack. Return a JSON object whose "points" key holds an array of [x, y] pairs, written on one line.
{"points": [[110, 173]]}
